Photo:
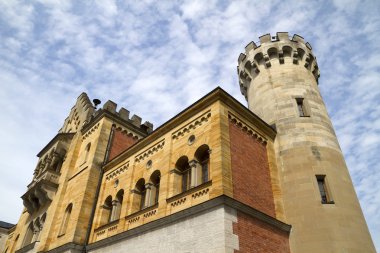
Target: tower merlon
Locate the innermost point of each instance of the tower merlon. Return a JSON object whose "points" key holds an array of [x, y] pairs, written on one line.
{"points": [[279, 50], [123, 113], [136, 120], [110, 106]]}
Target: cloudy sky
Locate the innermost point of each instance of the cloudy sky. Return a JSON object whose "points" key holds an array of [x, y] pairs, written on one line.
{"points": [[157, 58]]}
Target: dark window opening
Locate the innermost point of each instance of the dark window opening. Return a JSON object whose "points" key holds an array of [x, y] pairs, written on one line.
{"points": [[325, 196], [301, 107]]}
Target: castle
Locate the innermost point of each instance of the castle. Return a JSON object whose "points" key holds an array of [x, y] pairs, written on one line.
{"points": [[217, 177]]}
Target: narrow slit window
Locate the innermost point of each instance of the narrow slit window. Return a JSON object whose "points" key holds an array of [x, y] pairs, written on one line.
{"points": [[301, 107], [325, 196]]}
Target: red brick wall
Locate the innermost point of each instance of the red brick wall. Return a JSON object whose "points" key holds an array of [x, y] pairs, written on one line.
{"points": [[256, 236], [120, 142], [250, 171]]}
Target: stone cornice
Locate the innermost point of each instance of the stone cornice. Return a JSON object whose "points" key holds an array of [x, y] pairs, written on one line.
{"points": [[120, 170], [246, 128], [58, 137], [90, 131], [150, 151], [192, 125]]}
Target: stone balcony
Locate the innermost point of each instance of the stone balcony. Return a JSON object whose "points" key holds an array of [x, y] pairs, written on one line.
{"points": [[174, 204], [41, 190], [192, 197], [107, 230]]}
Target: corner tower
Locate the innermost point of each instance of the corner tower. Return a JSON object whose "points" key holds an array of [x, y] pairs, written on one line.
{"points": [[279, 79]]}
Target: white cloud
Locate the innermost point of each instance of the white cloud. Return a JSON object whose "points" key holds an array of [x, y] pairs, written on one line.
{"points": [[165, 55]]}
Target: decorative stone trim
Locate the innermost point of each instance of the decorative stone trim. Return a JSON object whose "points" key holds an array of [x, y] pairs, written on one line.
{"points": [[200, 193], [113, 227], [101, 232], [246, 128], [178, 202], [150, 151], [150, 213], [192, 125], [181, 197], [134, 219], [118, 171], [144, 213], [108, 226], [127, 131], [89, 132]]}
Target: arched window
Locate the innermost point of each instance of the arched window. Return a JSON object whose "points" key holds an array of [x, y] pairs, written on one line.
{"points": [[86, 152], [29, 234], [116, 206], [58, 160], [184, 171], [153, 189], [301, 53], [37, 170], [259, 58], [287, 51], [65, 220], [139, 195], [37, 229], [42, 222], [202, 155], [272, 53], [106, 211]]}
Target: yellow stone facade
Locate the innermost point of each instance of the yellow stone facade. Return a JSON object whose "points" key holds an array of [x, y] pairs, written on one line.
{"points": [[84, 167]]}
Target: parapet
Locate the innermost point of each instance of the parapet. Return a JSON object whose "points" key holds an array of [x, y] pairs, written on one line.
{"points": [[123, 113], [281, 48]]}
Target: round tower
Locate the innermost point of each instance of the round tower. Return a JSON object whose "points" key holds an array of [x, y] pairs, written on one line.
{"points": [[279, 79]]}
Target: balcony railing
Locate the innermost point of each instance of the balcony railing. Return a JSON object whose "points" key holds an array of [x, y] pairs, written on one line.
{"points": [[143, 216], [48, 175], [107, 230], [189, 198]]}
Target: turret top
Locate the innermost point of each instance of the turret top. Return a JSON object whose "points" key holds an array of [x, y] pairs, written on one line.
{"points": [[275, 50]]}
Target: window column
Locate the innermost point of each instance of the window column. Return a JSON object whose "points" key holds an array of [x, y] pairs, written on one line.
{"points": [[196, 173]]}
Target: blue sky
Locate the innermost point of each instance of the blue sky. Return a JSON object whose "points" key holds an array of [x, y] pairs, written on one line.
{"points": [[157, 58]]}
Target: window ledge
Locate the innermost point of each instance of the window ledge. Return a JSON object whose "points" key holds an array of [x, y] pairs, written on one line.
{"points": [[26, 248], [331, 202], [146, 209], [109, 224], [194, 189]]}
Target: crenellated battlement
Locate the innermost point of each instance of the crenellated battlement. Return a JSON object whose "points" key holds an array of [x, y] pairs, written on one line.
{"points": [[123, 113], [274, 50]]}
